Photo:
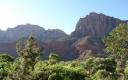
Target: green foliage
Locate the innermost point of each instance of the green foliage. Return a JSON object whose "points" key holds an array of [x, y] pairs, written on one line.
{"points": [[117, 46], [5, 58], [29, 55], [55, 76], [103, 75], [94, 64], [126, 72], [4, 69], [117, 42], [5, 63], [58, 72], [54, 58]]}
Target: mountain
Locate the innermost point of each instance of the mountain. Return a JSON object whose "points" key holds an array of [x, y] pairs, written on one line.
{"points": [[21, 31], [97, 25], [84, 41]]}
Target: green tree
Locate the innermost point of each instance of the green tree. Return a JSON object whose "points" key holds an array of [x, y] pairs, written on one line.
{"points": [[29, 54], [117, 43], [5, 63], [94, 64], [54, 58], [103, 75], [5, 57]]}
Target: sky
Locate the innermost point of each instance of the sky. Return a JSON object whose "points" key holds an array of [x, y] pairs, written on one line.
{"points": [[60, 14]]}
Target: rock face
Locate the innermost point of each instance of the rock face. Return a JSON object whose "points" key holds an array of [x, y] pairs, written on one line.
{"points": [[88, 46], [97, 25], [65, 49], [83, 42]]}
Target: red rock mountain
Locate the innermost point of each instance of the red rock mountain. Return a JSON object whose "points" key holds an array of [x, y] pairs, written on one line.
{"points": [[97, 25], [83, 42]]}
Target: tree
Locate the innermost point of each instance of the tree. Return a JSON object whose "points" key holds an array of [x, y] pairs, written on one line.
{"points": [[93, 64], [5, 62], [54, 58], [117, 43], [5, 57], [29, 54], [103, 75]]}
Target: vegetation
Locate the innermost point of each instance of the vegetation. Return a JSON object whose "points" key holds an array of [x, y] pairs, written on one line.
{"points": [[54, 58], [117, 45], [28, 66], [117, 42]]}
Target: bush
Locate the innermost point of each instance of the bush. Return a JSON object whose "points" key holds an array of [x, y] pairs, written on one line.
{"points": [[94, 64], [6, 58], [59, 72], [103, 75], [54, 58]]}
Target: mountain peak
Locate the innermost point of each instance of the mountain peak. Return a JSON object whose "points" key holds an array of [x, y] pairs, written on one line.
{"points": [[93, 13], [95, 24], [26, 27]]}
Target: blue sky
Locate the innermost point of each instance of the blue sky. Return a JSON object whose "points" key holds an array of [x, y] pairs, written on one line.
{"points": [[61, 14]]}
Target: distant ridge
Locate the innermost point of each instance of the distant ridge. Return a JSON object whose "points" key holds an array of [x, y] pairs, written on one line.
{"points": [[21, 31]]}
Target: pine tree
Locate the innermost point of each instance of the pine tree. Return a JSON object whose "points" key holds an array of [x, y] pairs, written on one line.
{"points": [[28, 57]]}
